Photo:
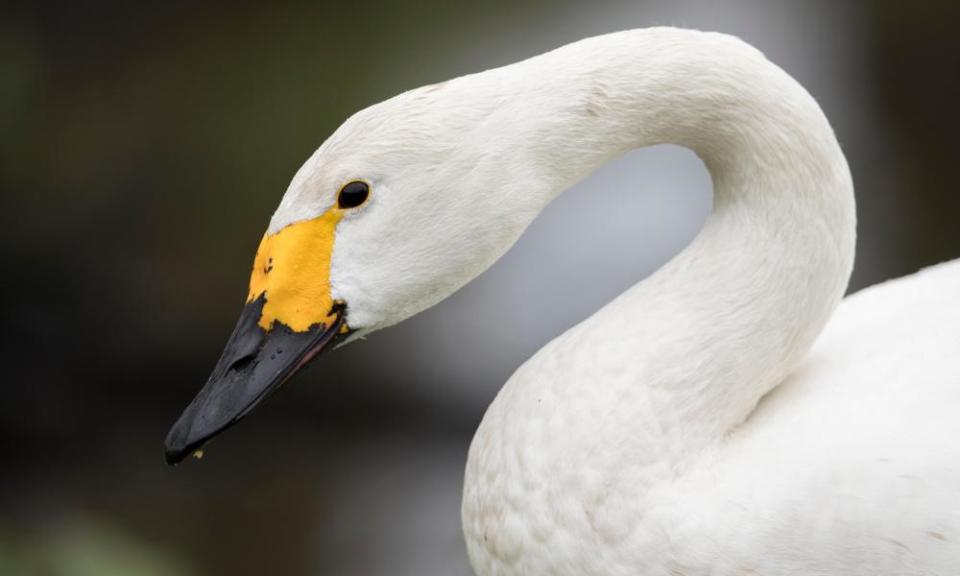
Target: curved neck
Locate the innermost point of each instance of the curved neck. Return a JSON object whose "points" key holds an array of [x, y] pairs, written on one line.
{"points": [[722, 323], [627, 399]]}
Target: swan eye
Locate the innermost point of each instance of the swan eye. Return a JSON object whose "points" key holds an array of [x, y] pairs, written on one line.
{"points": [[353, 194]]}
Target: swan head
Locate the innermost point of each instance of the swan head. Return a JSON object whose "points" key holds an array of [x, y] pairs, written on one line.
{"points": [[405, 203]]}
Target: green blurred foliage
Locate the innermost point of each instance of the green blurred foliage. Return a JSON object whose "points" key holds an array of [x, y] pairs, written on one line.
{"points": [[81, 547]]}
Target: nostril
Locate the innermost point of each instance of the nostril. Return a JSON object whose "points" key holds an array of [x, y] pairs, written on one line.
{"points": [[241, 363]]}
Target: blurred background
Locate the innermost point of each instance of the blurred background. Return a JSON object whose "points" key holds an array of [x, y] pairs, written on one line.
{"points": [[144, 148]]}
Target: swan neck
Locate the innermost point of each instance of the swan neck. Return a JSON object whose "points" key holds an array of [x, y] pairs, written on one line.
{"points": [[726, 320], [599, 421]]}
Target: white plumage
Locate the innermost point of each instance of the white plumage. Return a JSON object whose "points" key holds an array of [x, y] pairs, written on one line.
{"points": [[684, 428]]}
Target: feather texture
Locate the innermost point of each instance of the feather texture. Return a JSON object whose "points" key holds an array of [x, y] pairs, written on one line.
{"points": [[685, 428]]}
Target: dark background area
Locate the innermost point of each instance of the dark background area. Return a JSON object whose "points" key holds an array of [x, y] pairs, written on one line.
{"points": [[144, 149]]}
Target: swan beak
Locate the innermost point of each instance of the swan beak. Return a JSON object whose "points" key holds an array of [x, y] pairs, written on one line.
{"points": [[256, 362]]}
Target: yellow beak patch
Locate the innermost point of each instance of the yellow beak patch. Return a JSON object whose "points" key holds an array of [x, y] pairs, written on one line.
{"points": [[292, 271]]}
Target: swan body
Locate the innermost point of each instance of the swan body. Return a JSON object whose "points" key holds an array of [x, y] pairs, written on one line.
{"points": [[686, 427], [850, 466]]}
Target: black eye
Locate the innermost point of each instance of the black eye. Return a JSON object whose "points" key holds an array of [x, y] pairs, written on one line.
{"points": [[353, 194]]}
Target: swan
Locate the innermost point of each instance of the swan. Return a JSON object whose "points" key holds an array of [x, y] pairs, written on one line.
{"points": [[726, 415]]}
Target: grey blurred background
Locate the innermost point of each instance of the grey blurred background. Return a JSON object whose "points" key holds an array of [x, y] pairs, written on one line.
{"points": [[144, 148]]}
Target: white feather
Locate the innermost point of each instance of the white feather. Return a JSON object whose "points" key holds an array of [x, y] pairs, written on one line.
{"points": [[634, 443]]}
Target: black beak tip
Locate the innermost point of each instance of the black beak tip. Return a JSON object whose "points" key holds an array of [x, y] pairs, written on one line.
{"points": [[254, 363], [176, 447], [192, 430], [174, 455]]}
